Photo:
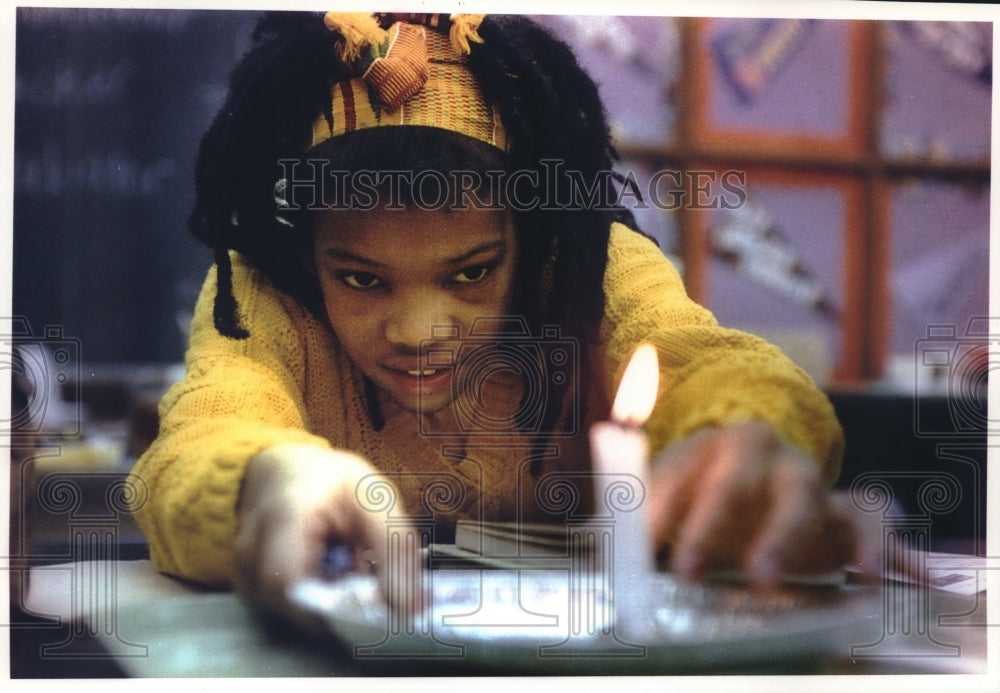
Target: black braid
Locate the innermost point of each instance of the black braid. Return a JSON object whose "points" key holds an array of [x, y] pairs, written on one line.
{"points": [[275, 93], [552, 110], [226, 313]]}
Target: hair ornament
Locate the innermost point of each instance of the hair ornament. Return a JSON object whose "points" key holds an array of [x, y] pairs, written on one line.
{"points": [[398, 67], [281, 200], [465, 31], [359, 31], [393, 62], [413, 73]]}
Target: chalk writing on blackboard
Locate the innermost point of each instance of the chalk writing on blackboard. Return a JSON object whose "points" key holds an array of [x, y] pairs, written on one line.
{"points": [[51, 172], [75, 85], [102, 18]]}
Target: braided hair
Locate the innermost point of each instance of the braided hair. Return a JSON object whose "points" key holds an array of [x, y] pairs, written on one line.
{"points": [[550, 110]]}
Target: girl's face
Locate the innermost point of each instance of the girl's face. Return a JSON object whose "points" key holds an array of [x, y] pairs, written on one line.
{"points": [[396, 282]]}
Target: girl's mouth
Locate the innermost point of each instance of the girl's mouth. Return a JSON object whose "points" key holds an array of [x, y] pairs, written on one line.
{"points": [[422, 382]]}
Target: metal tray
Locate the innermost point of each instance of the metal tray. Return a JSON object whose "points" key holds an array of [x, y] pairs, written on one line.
{"points": [[534, 621]]}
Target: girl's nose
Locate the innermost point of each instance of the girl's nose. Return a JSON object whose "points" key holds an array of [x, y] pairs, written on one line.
{"points": [[412, 321]]}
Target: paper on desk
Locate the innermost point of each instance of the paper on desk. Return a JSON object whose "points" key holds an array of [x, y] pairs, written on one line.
{"points": [[949, 572], [502, 544]]}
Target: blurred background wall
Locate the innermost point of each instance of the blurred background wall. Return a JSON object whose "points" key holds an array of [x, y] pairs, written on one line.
{"points": [[110, 106]]}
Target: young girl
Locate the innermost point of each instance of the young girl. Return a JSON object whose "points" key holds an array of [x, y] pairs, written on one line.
{"points": [[410, 288]]}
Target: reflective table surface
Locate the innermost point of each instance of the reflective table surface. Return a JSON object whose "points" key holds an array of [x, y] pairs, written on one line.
{"points": [[507, 622]]}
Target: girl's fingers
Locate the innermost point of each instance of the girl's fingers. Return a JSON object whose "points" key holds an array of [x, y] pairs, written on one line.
{"points": [[802, 534], [726, 505], [393, 551], [289, 553], [672, 487], [867, 530], [399, 564], [739, 497], [298, 502]]}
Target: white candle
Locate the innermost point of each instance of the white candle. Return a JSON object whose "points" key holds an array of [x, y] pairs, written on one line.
{"points": [[620, 451]]}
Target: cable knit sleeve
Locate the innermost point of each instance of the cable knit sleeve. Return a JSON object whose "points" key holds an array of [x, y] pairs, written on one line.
{"points": [[709, 375], [237, 398]]}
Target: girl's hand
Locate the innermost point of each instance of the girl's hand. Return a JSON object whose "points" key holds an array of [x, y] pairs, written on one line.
{"points": [[297, 501], [739, 497]]}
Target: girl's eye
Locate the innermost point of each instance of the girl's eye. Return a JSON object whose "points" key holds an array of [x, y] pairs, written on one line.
{"points": [[360, 280], [471, 275]]}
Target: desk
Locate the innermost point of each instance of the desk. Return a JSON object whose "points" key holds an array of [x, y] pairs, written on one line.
{"points": [[152, 625]]}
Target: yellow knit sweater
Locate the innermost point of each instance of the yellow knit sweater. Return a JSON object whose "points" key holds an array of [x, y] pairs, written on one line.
{"points": [[291, 382]]}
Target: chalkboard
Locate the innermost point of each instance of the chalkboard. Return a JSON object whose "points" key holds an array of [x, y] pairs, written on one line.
{"points": [[110, 105]]}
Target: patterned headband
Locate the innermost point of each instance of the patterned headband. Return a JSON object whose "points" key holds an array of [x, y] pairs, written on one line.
{"points": [[407, 75]]}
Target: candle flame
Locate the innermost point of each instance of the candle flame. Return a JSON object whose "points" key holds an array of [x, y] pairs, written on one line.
{"points": [[637, 390]]}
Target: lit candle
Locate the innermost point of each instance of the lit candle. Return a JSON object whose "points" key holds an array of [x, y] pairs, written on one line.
{"points": [[620, 451]]}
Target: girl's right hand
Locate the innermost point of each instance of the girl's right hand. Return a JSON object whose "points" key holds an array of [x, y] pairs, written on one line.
{"points": [[298, 500]]}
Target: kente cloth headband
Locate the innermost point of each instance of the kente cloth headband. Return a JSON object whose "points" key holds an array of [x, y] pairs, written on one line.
{"points": [[407, 75]]}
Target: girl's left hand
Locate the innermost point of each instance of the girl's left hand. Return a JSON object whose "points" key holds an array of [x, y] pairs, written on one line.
{"points": [[740, 497]]}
